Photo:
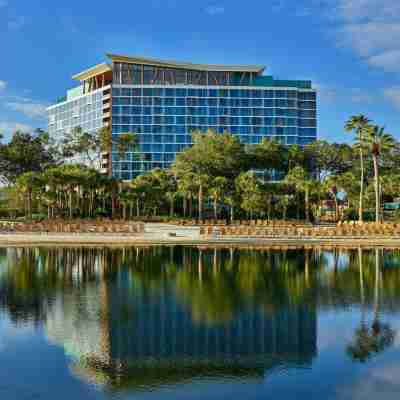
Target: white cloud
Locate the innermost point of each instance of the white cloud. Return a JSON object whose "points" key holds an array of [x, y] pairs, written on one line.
{"points": [[8, 128], [358, 10], [393, 95], [17, 23], [389, 60], [333, 93], [3, 85], [326, 92], [372, 29], [28, 107], [215, 9], [361, 96], [370, 38]]}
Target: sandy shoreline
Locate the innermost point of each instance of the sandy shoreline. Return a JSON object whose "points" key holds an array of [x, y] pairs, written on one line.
{"points": [[35, 239]]}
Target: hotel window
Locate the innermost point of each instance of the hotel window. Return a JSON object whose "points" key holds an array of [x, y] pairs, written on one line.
{"points": [[180, 92]]}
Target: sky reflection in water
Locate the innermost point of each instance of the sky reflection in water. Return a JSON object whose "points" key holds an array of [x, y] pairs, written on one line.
{"points": [[190, 323]]}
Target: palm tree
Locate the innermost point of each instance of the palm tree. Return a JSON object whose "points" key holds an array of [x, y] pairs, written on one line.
{"points": [[331, 186], [299, 178], [283, 203], [218, 190], [359, 124], [26, 184], [378, 142]]}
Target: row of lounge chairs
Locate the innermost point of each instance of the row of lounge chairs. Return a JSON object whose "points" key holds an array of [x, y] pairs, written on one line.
{"points": [[368, 230], [223, 222], [83, 227]]}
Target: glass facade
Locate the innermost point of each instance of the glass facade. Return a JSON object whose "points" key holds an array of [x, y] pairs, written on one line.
{"points": [[163, 103], [85, 111], [164, 118]]}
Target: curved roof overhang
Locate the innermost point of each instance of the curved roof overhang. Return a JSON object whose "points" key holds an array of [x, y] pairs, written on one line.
{"points": [[93, 71], [258, 69]]}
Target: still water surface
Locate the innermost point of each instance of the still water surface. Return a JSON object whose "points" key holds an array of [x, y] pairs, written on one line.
{"points": [[190, 323]]}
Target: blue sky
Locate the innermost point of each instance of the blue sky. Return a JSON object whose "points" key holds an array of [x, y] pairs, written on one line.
{"points": [[349, 48]]}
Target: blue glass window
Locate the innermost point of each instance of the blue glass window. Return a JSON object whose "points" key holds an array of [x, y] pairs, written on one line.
{"points": [[269, 94], [169, 101], [147, 92], [145, 147], [147, 119], [304, 141], [125, 92]]}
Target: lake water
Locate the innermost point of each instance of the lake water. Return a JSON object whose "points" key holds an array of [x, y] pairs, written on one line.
{"points": [[199, 323]]}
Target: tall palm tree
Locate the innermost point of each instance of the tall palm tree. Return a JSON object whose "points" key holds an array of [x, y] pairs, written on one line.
{"points": [[299, 178], [359, 124], [378, 142], [218, 190]]}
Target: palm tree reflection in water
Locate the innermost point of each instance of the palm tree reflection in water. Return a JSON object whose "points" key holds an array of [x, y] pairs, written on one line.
{"points": [[374, 339]]}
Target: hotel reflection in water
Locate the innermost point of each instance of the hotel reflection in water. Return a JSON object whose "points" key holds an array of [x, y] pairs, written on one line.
{"points": [[132, 316]]}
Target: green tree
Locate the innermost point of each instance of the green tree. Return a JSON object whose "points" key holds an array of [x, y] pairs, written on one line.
{"points": [[269, 155], [211, 155], [303, 182], [379, 142], [359, 124], [26, 184], [327, 159], [26, 152], [283, 204], [251, 192], [218, 190], [89, 146]]}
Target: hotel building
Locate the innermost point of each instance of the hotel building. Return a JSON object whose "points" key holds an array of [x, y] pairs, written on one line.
{"points": [[163, 102]]}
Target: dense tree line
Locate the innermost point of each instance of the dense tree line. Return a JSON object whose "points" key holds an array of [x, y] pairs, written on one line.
{"points": [[217, 177]]}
